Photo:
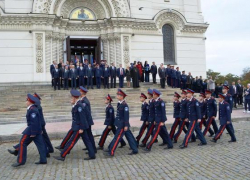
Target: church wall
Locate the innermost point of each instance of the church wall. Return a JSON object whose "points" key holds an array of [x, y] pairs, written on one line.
{"points": [[16, 57], [189, 8], [18, 6]]}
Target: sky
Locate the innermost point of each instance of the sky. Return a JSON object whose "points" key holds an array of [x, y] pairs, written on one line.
{"points": [[228, 35]]}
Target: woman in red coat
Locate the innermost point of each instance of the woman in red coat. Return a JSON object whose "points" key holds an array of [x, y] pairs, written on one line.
{"points": [[139, 67]]}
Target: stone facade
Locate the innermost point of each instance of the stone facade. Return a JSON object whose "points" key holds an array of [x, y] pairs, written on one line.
{"points": [[32, 33]]}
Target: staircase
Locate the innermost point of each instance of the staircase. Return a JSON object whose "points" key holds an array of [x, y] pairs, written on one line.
{"points": [[56, 104]]}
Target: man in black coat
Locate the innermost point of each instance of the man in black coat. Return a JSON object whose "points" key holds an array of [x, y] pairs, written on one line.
{"points": [[240, 92], [162, 74], [52, 67], [233, 91], [135, 76], [56, 74], [113, 75], [154, 72]]}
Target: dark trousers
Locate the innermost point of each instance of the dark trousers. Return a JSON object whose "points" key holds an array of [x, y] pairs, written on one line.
{"points": [[113, 81], [182, 124], [169, 81], [144, 126], [52, 81], [98, 82], [174, 126], [146, 77], [173, 82], [162, 131], [81, 81], [57, 83], [240, 99], [105, 134], [121, 79], [247, 103], [208, 124], [235, 100], [149, 133], [203, 122], [183, 85], [61, 82], [25, 141], [106, 82], [90, 82], [47, 142], [73, 140], [162, 81], [230, 130], [91, 138], [177, 83], [131, 141], [65, 83], [154, 78], [194, 126], [73, 83], [66, 139]]}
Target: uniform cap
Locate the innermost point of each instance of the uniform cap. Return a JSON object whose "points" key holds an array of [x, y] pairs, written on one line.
{"points": [[225, 86], [177, 95], [222, 96], [36, 95], [32, 99], [184, 92], [208, 92], [157, 92], [202, 95], [190, 91], [120, 92], [150, 91], [143, 95], [109, 98], [83, 89], [75, 93]]}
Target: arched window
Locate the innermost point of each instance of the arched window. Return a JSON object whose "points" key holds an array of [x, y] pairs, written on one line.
{"points": [[168, 44]]}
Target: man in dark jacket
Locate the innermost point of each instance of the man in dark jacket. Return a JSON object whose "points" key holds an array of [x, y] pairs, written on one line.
{"points": [[113, 75], [162, 74], [240, 93], [56, 74], [154, 72], [52, 67]]}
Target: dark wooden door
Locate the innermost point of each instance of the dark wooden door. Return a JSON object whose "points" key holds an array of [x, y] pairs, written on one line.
{"points": [[98, 50], [68, 48]]}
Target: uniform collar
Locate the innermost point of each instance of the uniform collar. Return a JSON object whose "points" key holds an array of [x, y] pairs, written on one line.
{"points": [[107, 105], [143, 102], [191, 98], [184, 99], [29, 106], [121, 101], [157, 99], [76, 103], [222, 102]]}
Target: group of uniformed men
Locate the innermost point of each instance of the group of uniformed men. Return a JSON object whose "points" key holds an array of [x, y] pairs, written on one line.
{"points": [[188, 112]]}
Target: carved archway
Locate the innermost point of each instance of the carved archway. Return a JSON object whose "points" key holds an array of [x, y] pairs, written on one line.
{"points": [[113, 8]]}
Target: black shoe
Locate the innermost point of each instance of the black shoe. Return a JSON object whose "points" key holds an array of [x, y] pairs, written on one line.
{"points": [[121, 146], [162, 144], [58, 147], [14, 152], [40, 163], [202, 144], [106, 150], [59, 158], [132, 153], [182, 146], [211, 135], [84, 149], [174, 141], [17, 164], [107, 155], [146, 150], [48, 155], [231, 141], [213, 140], [142, 145], [99, 148], [89, 158], [171, 147]]}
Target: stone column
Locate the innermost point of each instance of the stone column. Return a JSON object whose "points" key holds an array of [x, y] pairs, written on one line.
{"points": [[126, 50], [55, 48], [105, 47], [60, 41], [118, 58], [111, 49], [48, 51]]}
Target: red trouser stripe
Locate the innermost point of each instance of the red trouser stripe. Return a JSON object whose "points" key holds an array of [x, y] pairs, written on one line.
{"points": [[181, 129], [71, 145], [144, 126], [201, 123], [148, 134], [66, 139], [104, 136], [155, 136], [21, 149], [219, 134], [190, 133], [116, 142], [176, 122], [208, 126]]}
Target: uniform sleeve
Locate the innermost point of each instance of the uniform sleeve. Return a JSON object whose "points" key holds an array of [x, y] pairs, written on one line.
{"points": [[112, 116], [147, 112], [35, 125], [215, 108], [205, 109], [228, 113], [163, 112], [82, 119], [126, 116], [198, 110]]}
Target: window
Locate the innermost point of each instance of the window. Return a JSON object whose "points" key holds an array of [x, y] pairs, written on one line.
{"points": [[168, 44]]}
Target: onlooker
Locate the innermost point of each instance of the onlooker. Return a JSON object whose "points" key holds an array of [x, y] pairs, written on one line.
{"points": [[147, 71], [56, 77], [128, 76], [113, 75], [121, 75], [73, 76], [52, 67], [154, 72], [189, 80], [65, 75], [139, 67], [233, 92], [162, 74], [211, 84], [247, 98], [240, 92]]}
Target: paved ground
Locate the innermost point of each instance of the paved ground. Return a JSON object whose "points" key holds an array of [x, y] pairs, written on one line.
{"points": [[214, 161]]}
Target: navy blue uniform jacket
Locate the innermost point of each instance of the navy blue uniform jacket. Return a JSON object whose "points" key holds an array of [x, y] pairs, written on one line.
{"points": [[177, 109], [144, 112], [110, 116], [194, 112], [79, 118], [151, 111], [211, 107], [224, 113], [160, 111], [183, 108], [122, 115]]}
